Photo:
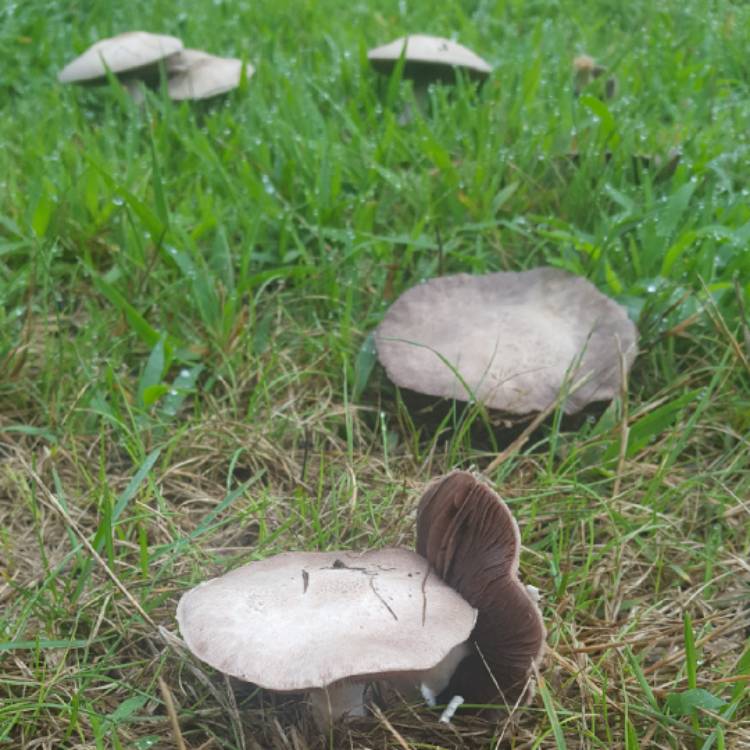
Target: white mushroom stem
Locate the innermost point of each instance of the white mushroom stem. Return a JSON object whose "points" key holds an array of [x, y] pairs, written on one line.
{"points": [[451, 708], [135, 90], [421, 104], [429, 696], [343, 698], [435, 680]]}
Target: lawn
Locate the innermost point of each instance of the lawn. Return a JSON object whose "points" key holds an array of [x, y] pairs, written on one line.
{"points": [[187, 381]]}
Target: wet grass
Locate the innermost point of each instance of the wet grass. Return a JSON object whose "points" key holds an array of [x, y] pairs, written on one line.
{"points": [[186, 381]]}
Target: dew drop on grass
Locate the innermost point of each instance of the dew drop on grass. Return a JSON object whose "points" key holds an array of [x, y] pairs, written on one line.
{"points": [[268, 185], [117, 201]]}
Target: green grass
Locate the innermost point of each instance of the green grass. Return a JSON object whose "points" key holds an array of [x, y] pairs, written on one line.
{"points": [[185, 298]]}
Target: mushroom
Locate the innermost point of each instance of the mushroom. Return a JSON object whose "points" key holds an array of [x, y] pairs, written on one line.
{"points": [[586, 70], [194, 74], [469, 536], [511, 340], [327, 623], [132, 54], [428, 58], [662, 167]]}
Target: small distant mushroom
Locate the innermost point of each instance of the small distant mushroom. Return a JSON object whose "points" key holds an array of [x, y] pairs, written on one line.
{"points": [[511, 340], [194, 74], [662, 168], [428, 58], [328, 623], [469, 536], [131, 54], [585, 70]]}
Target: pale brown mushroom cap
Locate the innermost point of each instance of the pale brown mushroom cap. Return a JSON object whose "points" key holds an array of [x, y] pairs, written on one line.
{"points": [[194, 74], [470, 537], [424, 53], [124, 53], [303, 620], [513, 338]]}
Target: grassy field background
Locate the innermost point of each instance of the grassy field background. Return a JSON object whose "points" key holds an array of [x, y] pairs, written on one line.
{"points": [[186, 381]]}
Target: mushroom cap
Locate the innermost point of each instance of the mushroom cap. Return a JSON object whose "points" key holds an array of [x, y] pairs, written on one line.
{"points": [[427, 55], [194, 74], [513, 337], [124, 53], [470, 537], [303, 620]]}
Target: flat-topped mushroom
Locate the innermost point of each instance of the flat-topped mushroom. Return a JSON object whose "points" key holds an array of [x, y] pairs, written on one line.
{"points": [[469, 536], [133, 53], [428, 58], [194, 74], [327, 623], [511, 340]]}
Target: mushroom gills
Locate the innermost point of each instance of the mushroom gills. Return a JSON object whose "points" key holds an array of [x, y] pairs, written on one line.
{"points": [[472, 540]]}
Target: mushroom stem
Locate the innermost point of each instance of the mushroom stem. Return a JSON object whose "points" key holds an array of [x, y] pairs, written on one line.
{"points": [[450, 709], [534, 593], [330, 703], [429, 696], [435, 680]]}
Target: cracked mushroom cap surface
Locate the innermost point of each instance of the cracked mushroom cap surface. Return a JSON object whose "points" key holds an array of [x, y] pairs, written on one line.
{"points": [[303, 620], [194, 74], [425, 54], [125, 53], [470, 537], [509, 339]]}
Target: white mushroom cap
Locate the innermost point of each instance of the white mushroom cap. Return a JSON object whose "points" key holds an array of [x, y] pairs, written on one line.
{"points": [[194, 74], [424, 53], [124, 53], [303, 620], [513, 338]]}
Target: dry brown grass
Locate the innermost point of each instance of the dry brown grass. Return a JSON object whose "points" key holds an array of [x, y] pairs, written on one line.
{"points": [[617, 572]]}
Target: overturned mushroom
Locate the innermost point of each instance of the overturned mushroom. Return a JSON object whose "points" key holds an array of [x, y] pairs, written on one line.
{"points": [[469, 536], [131, 54], [428, 58], [511, 340], [194, 74], [327, 623]]}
